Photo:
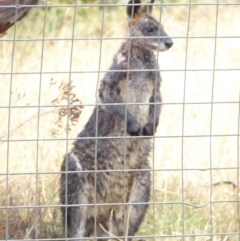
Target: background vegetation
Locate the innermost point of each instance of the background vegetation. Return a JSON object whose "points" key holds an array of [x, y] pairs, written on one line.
{"points": [[195, 147]]}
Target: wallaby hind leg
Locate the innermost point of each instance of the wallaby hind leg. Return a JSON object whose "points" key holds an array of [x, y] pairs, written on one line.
{"points": [[139, 193], [71, 185]]}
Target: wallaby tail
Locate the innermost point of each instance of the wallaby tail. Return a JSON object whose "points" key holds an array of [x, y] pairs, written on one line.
{"points": [[71, 183]]}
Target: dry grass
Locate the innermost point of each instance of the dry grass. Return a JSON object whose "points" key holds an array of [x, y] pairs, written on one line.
{"points": [[187, 111]]}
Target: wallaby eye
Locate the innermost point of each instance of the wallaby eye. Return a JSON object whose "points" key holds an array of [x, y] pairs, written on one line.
{"points": [[150, 29]]}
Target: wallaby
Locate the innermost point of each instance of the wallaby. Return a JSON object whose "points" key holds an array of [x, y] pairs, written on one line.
{"points": [[108, 169]]}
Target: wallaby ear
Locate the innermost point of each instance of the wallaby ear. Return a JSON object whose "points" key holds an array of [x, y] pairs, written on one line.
{"points": [[148, 8], [134, 10]]}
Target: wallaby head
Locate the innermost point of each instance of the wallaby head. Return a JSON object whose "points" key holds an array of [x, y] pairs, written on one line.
{"points": [[142, 24]]}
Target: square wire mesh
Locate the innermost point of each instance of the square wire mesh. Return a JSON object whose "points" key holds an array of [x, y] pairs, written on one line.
{"points": [[52, 63]]}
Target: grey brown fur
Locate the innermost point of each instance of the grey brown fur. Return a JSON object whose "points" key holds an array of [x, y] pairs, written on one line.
{"points": [[117, 153]]}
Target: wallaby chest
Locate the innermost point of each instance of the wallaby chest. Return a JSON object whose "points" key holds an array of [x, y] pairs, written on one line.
{"points": [[136, 91]]}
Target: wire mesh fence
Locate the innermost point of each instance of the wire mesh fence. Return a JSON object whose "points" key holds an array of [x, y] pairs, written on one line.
{"points": [[53, 63]]}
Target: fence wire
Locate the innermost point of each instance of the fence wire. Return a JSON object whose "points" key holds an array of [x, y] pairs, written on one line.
{"points": [[53, 57]]}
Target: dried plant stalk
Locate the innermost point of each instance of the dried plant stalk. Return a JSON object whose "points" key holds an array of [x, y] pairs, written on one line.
{"points": [[111, 222]]}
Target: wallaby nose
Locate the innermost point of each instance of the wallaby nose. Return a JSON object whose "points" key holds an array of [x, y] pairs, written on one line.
{"points": [[168, 43]]}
